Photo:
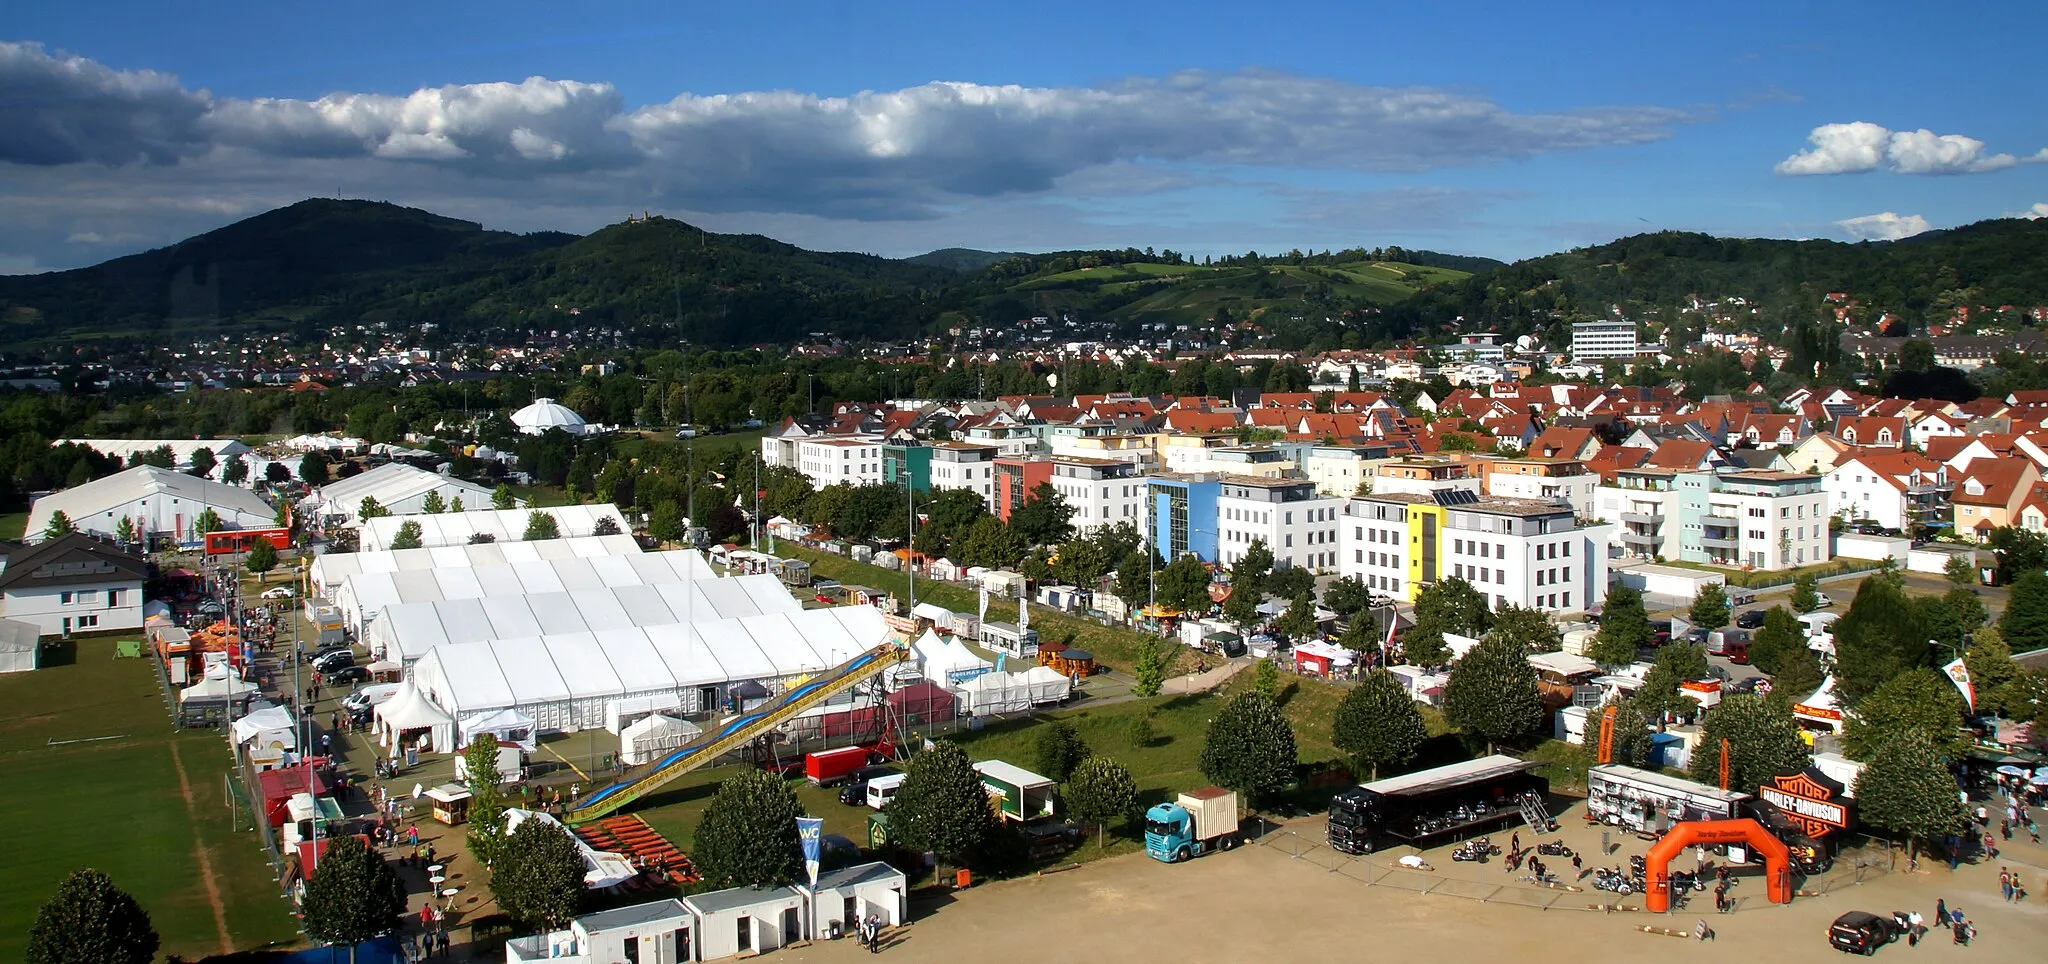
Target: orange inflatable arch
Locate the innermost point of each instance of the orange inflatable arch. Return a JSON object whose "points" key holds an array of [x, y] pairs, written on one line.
{"points": [[1777, 859]]}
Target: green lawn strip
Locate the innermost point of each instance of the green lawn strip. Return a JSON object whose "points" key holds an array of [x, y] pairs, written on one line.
{"points": [[12, 525], [115, 805]]}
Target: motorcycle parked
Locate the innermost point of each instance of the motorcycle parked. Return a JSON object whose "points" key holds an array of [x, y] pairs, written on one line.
{"points": [[1611, 879], [1475, 851], [1554, 848]]}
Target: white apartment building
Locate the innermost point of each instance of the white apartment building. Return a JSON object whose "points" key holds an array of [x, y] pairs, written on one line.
{"points": [[1544, 480], [1753, 519], [1595, 341], [1297, 523], [1102, 491], [964, 465], [1338, 469], [1515, 551], [840, 460], [1892, 489], [1423, 475], [74, 583]]}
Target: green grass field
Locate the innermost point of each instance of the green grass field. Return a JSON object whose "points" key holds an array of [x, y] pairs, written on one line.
{"points": [[12, 525], [118, 805]]}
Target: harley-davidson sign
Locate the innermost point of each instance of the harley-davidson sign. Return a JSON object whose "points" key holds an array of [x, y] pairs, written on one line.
{"points": [[1811, 799]]}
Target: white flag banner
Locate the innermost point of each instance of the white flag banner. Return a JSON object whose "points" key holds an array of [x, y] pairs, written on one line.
{"points": [[1959, 673], [1023, 613], [982, 616]]}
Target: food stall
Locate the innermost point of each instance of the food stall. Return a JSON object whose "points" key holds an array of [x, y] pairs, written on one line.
{"points": [[1650, 802], [451, 803], [1319, 658]]}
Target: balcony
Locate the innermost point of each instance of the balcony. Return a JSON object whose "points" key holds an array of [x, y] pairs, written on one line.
{"points": [[1724, 521], [1643, 518], [1634, 538], [1716, 542]]}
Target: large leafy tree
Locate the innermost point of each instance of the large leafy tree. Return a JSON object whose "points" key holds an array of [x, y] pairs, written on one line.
{"points": [[1299, 621], [1776, 641], [748, 834], [91, 921], [262, 558], [1242, 608], [1529, 628], [370, 508], [1906, 789], [2019, 551], [237, 471], [208, 521], [2024, 625], [60, 525], [1423, 645], [1922, 700], [541, 526], [1453, 606], [1251, 570], [407, 536], [942, 805], [991, 544], [1099, 790], [1710, 606], [1378, 724], [486, 801], [1045, 518], [1347, 597], [1624, 628], [354, 894], [951, 513], [313, 468], [1082, 562], [1633, 739], [1492, 692], [1882, 635], [1799, 675], [1760, 738], [1250, 748], [1134, 579], [1990, 662], [1675, 664], [1058, 750], [538, 876], [204, 462], [1805, 593], [1184, 585]]}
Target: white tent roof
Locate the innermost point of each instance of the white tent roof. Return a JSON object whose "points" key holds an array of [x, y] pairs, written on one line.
{"points": [[634, 659], [270, 719], [217, 686], [585, 670], [410, 709], [736, 650], [465, 677], [237, 507], [658, 725], [395, 482], [529, 669], [504, 525], [783, 644], [688, 659]]}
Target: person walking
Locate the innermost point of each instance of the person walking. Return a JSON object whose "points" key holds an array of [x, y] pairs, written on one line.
{"points": [[1941, 912], [2019, 890], [2005, 883], [1578, 868]]}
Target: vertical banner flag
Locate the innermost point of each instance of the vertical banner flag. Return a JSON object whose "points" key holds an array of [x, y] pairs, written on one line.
{"points": [[1023, 612], [1959, 674], [808, 832], [982, 616]]}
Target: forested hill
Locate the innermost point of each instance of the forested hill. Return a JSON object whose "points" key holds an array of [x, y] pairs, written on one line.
{"points": [[1990, 263]]}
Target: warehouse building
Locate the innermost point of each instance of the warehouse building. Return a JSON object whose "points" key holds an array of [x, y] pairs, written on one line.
{"points": [[159, 503]]}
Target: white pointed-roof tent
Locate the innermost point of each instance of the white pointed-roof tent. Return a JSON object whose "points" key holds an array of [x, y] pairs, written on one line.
{"points": [[545, 414], [19, 644], [654, 736], [409, 718], [994, 693], [1046, 685]]}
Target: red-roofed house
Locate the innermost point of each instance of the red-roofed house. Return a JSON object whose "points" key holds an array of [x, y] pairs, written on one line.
{"points": [[1189, 422], [1683, 455], [1560, 442], [1871, 430], [1989, 496], [1614, 458], [1893, 489]]}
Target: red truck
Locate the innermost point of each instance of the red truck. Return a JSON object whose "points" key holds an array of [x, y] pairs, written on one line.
{"points": [[827, 767]]}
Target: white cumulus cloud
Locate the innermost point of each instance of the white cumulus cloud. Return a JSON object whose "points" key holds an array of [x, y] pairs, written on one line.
{"points": [[1862, 146], [2035, 213], [1885, 226]]}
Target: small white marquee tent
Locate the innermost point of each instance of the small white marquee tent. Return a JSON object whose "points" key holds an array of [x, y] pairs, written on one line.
{"points": [[654, 736], [508, 727], [408, 711]]}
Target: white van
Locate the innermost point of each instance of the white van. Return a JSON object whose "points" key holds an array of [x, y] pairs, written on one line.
{"points": [[881, 790], [1820, 631]]}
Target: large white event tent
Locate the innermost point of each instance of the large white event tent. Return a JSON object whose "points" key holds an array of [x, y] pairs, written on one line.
{"points": [[363, 596], [578, 680], [331, 570], [406, 631], [502, 525]]}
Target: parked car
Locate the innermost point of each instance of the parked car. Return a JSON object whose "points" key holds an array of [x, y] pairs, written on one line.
{"points": [[369, 695], [1747, 684], [345, 675], [855, 791], [1861, 932], [330, 662], [1823, 600], [1753, 619], [278, 592]]}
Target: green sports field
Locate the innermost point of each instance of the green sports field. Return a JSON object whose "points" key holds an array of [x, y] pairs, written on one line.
{"points": [[141, 807]]}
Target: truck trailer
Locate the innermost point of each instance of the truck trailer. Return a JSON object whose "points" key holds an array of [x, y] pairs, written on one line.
{"points": [[1199, 822], [828, 767]]}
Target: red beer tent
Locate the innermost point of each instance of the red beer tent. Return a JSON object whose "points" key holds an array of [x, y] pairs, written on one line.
{"points": [[278, 786], [922, 702], [1321, 658]]}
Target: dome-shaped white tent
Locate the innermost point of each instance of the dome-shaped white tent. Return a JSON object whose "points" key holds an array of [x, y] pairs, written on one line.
{"points": [[654, 736], [545, 414]]}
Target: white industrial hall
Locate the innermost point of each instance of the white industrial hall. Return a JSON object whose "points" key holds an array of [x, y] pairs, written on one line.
{"points": [[497, 525]]}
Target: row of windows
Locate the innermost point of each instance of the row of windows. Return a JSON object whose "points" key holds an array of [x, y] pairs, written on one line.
{"points": [[89, 598], [1386, 583], [1551, 577], [1553, 550], [1479, 574], [1385, 560], [1555, 601]]}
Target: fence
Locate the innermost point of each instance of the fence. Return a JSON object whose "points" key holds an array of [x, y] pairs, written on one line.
{"points": [[1857, 863]]}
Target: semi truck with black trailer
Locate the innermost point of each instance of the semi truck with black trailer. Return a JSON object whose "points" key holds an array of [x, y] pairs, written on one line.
{"points": [[1439, 805]]}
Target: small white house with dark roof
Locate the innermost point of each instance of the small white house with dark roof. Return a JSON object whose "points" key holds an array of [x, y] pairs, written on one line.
{"points": [[74, 583]]}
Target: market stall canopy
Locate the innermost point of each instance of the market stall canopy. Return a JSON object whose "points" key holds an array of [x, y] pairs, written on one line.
{"points": [[19, 643], [1046, 685], [219, 684], [411, 710], [273, 724]]}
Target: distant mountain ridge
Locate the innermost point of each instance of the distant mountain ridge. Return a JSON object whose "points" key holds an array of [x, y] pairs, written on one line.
{"points": [[962, 260]]}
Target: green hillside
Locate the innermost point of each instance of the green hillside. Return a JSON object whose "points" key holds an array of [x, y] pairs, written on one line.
{"points": [[962, 260], [1149, 292]]}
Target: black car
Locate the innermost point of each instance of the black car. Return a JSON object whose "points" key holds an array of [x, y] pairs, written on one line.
{"points": [[333, 661], [1860, 932], [344, 676], [1752, 619], [855, 792]]}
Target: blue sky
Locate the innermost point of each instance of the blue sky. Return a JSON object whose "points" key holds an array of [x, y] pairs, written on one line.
{"points": [[1507, 130]]}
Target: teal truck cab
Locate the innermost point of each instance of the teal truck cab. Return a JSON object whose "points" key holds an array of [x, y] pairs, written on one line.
{"points": [[1200, 821]]}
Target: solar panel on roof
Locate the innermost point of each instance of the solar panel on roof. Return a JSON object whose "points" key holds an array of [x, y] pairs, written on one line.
{"points": [[1455, 497]]}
